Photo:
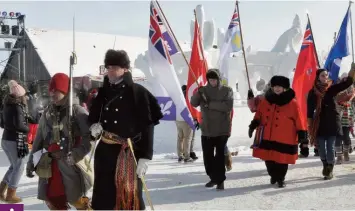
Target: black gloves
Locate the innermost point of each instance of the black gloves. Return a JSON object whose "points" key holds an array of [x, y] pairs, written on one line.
{"points": [[302, 137], [250, 94], [197, 125], [29, 170], [253, 125]]}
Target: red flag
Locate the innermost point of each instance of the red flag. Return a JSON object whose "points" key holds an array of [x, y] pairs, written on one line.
{"points": [[305, 73], [198, 71]]}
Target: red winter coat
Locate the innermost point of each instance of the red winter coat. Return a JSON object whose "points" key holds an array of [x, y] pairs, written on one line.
{"points": [[279, 116]]}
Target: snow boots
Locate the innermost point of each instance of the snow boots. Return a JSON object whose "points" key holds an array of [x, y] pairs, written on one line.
{"points": [[340, 159], [324, 171], [3, 188], [228, 161], [11, 196], [329, 172]]}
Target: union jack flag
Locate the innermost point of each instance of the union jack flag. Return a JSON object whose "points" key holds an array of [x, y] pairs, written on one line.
{"points": [[155, 33], [308, 37], [235, 19]]}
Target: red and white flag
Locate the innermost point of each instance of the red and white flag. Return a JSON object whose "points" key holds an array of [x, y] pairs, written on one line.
{"points": [[198, 71]]}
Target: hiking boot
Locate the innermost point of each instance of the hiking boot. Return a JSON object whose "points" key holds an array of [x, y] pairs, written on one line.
{"points": [[3, 188], [281, 184], [272, 181], [193, 156], [188, 160], [220, 186], [346, 156], [339, 159], [228, 161], [210, 184], [11, 197], [180, 159], [325, 165], [329, 174]]}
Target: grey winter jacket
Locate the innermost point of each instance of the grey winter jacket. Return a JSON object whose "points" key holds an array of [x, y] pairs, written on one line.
{"points": [[216, 117], [72, 177]]}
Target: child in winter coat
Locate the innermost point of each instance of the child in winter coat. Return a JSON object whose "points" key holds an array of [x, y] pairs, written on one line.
{"points": [[323, 116], [343, 143], [279, 129]]}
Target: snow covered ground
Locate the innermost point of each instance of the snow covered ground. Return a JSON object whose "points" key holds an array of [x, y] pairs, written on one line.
{"points": [[175, 186]]}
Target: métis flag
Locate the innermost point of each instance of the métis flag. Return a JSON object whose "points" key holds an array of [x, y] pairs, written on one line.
{"points": [[197, 72], [162, 67], [339, 50], [305, 73]]}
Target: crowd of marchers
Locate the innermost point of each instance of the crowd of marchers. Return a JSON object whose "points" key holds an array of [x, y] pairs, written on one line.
{"points": [[121, 112]]}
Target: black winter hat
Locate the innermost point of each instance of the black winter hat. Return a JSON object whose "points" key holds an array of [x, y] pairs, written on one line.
{"points": [[118, 58], [279, 80]]}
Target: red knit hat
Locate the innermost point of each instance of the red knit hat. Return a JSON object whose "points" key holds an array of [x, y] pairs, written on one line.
{"points": [[59, 82]]}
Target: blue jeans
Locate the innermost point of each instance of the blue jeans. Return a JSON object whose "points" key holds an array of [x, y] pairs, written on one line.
{"points": [[326, 148], [14, 173]]}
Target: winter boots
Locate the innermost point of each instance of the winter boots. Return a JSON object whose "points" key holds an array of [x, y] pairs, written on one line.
{"points": [[329, 172], [211, 184], [11, 196], [324, 171], [340, 159], [3, 188], [193, 155], [228, 161]]}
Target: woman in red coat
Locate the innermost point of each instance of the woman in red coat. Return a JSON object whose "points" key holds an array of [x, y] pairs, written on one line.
{"points": [[279, 129]]}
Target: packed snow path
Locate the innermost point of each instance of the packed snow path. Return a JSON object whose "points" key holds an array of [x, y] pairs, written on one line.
{"points": [[180, 186]]}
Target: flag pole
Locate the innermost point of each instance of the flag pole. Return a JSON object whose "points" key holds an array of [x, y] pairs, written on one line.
{"points": [[241, 38], [176, 41], [314, 43], [351, 28]]}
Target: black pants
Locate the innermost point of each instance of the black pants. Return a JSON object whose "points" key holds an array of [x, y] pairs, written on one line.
{"points": [[104, 191], [214, 162], [276, 170]]}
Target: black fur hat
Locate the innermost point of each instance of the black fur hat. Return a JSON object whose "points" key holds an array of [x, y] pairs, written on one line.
{"points": [[118, 58], [279, 80]]}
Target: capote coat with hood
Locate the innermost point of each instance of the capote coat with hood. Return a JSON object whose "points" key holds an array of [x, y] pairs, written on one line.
{"points": [[280, 117]]}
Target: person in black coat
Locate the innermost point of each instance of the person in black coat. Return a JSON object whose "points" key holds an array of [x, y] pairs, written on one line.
{"points": [[121, 110], [323, 116], [14, 143]]}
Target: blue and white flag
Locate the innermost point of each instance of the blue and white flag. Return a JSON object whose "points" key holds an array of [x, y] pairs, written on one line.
{"points": [[339, 50]]}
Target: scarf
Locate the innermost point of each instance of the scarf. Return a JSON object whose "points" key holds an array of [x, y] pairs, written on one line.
{"points": [[319, 89], [125, 178], [22, 145]]}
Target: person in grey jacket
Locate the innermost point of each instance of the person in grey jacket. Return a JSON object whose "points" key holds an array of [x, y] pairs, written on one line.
{"points": [[66, 184], [216, 103]]}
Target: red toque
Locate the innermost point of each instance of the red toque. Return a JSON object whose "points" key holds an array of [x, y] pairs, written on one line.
{"points": [[59, 82]]}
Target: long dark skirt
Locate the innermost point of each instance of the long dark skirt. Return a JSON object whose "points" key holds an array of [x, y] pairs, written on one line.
{"points": [[104, 192]]}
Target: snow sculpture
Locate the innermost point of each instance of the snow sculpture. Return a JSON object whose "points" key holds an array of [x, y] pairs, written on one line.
{"points": [[207, 28], [289, 38]]}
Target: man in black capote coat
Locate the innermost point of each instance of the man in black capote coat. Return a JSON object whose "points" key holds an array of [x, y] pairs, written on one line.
{"points": [[121, 110]]}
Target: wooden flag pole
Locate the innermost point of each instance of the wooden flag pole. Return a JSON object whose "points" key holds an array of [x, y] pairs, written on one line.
{"points": [[351, 28], [314, 42], [176, 41], [241, 38]]}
